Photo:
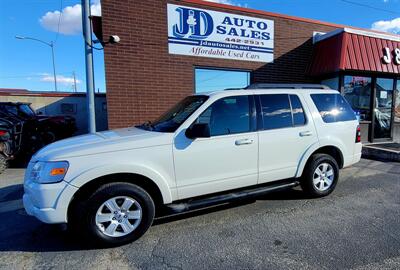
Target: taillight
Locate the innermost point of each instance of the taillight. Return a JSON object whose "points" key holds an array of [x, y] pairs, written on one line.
{"points": [[358, 134], [3, 132]]}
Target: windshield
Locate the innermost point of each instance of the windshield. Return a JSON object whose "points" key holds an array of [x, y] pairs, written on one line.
{"points": [[172, 119], [27, 110]]}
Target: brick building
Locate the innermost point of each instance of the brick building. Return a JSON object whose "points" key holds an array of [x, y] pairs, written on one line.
{"points": [[158, 62]]}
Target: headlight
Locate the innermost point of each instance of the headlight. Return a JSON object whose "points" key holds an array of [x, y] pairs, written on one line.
{"points": [[49, 172]]}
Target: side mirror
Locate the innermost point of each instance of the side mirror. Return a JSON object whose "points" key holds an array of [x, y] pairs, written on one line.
{"points": [[199, 130]]}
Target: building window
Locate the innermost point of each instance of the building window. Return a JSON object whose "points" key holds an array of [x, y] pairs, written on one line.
{"points": [[397, 102], [357, 91], [332, 83], [219, 79], [68, 108]]}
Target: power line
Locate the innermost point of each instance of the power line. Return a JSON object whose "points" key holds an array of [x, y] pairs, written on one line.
{"points": [[15, 77], [369, 6]]}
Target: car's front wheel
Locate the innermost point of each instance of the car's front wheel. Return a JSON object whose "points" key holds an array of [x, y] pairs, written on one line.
{"points": [[115, 214], [320, 175]]}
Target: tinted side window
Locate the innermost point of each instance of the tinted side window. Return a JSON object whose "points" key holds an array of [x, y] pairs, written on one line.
{"points": [[9, 109], [333, 108], [276, 111], [227, 116], [299, 117]]}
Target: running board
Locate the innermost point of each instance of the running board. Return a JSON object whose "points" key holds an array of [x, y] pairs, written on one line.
{"points": [[204, 202]]}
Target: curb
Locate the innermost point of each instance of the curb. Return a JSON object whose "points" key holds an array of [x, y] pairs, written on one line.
{"points": [[380, 154]]}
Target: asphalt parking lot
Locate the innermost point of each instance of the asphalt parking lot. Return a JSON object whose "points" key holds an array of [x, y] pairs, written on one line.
{"points": [[356, 227]]}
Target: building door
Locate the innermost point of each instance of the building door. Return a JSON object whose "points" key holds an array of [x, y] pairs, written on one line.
{"points": [[358, 92], [383, 109]]}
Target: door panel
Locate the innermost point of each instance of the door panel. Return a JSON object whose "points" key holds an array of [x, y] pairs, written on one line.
{"points": [[286, 137], [215, 164], [226, 160], [281, 150]]}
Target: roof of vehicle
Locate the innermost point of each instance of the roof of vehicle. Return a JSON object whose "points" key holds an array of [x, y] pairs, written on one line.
{"points": [[14, 103]]}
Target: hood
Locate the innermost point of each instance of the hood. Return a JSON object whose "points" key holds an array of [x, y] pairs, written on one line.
{"points": [[101, 142]]}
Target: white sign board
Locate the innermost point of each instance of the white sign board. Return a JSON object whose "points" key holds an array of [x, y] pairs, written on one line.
{"points": [[207, 33]]}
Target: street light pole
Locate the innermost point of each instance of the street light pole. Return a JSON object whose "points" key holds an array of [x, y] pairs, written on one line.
{"points": [[54, 66], [87, 36], [51, 45]]}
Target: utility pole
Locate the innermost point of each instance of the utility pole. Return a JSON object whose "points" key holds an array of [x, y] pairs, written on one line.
{"points": [[87, 36], [73, 73]]}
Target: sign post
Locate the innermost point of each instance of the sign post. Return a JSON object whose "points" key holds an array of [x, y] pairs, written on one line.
{"points": [[87, 36]]}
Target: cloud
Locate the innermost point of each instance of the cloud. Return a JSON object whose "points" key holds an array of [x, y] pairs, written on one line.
{"points": [[392, 26], [226, 2], [60, 79], [71, 19]]}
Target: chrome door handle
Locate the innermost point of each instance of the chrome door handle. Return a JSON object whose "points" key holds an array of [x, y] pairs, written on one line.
{"points": [[243, 141], [305, 133]]}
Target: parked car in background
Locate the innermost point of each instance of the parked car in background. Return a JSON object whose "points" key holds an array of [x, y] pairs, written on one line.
{"points": [[56, 127], [210, 148], [9, 141], [23, 132]]}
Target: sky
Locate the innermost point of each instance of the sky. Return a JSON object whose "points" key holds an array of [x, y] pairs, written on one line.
{"points": [[27, 64]]}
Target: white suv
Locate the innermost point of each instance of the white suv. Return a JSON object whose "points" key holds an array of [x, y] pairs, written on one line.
{"points": [[208, 149]]}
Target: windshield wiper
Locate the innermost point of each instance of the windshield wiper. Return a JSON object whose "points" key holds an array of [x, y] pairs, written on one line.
{"points": [[148, 125]]}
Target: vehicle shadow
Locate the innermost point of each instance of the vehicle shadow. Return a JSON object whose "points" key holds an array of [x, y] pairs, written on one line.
{"points": [[20, 232], [284, 195]]}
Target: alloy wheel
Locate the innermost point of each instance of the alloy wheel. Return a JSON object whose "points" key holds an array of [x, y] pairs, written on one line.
{"points": [[118, 216], [323, 176]]}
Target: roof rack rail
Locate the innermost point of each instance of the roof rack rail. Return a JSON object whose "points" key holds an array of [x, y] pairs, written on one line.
{"points": [[286, 86]]}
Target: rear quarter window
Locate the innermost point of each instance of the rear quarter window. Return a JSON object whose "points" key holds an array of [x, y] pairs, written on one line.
{"points": [[333, 108]]}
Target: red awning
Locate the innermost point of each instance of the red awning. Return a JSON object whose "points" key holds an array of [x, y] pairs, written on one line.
{"points": [[349, 50]]}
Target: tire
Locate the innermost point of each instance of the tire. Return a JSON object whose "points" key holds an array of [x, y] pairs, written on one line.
{"points": [[87, 216], [320, 183], [3, 163], [48, 137]]}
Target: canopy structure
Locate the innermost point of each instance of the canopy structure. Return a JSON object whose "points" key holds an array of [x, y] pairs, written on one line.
{"points": [[355, 50]]}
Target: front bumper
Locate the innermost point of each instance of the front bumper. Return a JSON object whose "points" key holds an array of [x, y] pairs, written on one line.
{"points": [[48, 202]]}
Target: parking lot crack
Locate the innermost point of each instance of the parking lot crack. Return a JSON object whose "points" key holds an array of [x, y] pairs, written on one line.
{"points": [[161, 258]]}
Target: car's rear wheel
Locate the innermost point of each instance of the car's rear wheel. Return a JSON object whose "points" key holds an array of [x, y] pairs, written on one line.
{"points": [[320, 175], [115, 214]]}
